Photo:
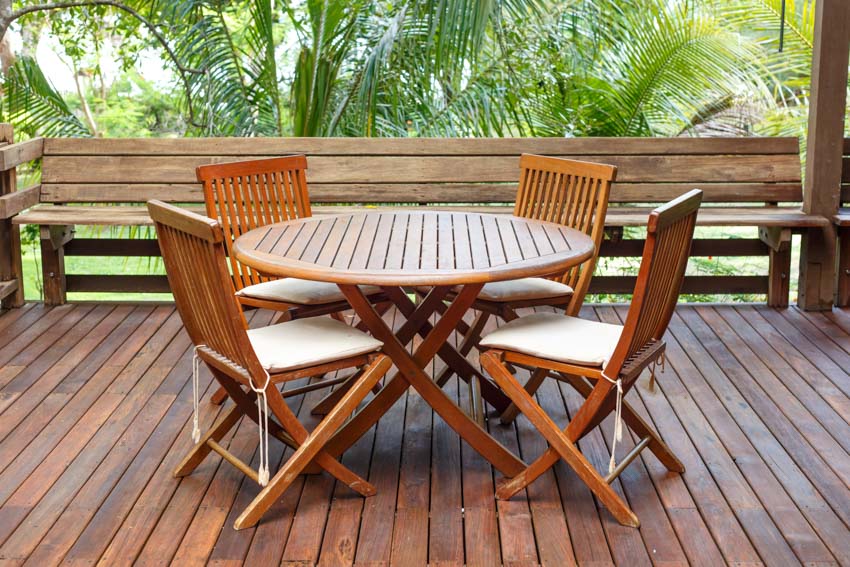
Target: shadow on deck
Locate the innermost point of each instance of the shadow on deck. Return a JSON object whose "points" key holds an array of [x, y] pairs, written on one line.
{"points": [[95, 411]]}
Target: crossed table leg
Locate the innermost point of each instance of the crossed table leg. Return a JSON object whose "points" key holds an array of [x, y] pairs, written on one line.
{"points": [[412, 374]]}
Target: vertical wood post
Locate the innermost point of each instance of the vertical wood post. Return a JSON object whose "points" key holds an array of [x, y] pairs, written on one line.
{"points": [[53, 240], [821, 194], [11, 268], [842, 294], [779, 241]]}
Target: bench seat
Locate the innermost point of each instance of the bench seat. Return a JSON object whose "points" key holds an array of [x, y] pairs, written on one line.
{"points": [[842, 219], [747, 182], [765, 216]]}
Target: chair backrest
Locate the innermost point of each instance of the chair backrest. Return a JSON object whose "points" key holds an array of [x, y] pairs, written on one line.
{"points": [[670, 231], [245, 195], [572, 193], [192, 249]]}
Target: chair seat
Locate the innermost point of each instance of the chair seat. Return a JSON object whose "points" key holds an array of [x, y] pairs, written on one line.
{"points": [[524, 289], [557, 337], [308, 342], [298, 291]]}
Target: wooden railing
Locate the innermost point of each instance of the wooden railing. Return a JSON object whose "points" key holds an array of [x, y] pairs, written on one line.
{"points": [[12, 202], [731, 171]]}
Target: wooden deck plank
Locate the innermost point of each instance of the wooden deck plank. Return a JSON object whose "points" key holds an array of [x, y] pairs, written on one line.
{"points": [[373, 542], [820, 372], [125, 429], [168, 518], [820, 466], [97, 413], [359, 529], [716, 397], [516, 526], [63, 406], [827, 431], [445, 534], [480, 521], [554, 544], [30, 386], [659, 536], [44, 469]]}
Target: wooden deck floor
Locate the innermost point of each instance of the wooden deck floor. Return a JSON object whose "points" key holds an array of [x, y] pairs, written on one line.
{"points": [[95, 406]]}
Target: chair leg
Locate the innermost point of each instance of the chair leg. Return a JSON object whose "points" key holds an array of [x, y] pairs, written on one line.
{"points": [[311, 446], [289, 430], [201, 449], [636, 423], [327, 403], [534, 382], [470, 339], [299, 434], [381, 308], [219, 396], [558, 441]]}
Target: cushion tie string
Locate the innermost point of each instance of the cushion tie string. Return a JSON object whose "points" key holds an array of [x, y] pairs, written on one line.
{"points": [[618, 422], [663, 362], [196, 368], [263, 425]]}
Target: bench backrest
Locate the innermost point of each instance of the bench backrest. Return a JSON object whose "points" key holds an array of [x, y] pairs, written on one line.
{"points": [[424, 171]]}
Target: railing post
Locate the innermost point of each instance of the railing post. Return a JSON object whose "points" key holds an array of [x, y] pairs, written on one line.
{"points": [[11, 269], [824, 147]]}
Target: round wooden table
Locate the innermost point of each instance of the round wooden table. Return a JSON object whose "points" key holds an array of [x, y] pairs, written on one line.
{"points": [[450, 251]]}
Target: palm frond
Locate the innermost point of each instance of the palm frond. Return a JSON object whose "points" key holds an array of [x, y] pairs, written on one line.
{"points": [[34, 105], [665, 66]]}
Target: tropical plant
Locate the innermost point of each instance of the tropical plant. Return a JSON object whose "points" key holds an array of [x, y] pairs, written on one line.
{"points": [[465, 67], [31, 102]]}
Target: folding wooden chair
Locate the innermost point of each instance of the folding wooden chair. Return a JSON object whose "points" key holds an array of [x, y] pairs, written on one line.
{"points": [[247, 362], [568, 192], [601, 361], [245, 195]]}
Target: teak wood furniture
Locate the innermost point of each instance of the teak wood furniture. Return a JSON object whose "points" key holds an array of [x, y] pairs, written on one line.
{"points": [[602, 361], [244, 195], [243, 360], [400, 249], [248, 194], [748, 182], [568, 192]]}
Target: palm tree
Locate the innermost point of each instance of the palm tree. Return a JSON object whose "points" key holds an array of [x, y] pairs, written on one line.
{"points": [[453, 67]]}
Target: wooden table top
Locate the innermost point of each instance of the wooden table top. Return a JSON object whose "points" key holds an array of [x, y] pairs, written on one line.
{"points": [[413, 248]]}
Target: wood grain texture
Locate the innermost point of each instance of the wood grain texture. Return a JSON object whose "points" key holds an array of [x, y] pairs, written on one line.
{"points": [[111, 404], [323, 248], [424, 169], [419, 146], [790, 217]]}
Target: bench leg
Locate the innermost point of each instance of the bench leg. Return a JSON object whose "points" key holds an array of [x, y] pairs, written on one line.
{"points": [[53, 240], [779, 273], [842, 294]]}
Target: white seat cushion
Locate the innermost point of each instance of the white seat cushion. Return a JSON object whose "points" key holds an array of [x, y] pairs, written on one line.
{"points": [[301, 292], [524, 289], [308, 342], [558, 337]]}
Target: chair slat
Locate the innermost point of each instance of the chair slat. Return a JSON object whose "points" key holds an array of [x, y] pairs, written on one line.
{"points": [[248, 194]]}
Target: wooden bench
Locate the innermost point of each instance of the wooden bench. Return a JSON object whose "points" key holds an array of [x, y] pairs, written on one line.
{"points": [[751, 182]]}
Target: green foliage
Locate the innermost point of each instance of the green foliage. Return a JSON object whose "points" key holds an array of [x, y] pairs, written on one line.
{"points": [[33, 105], [449, 67], [132, 108]]}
